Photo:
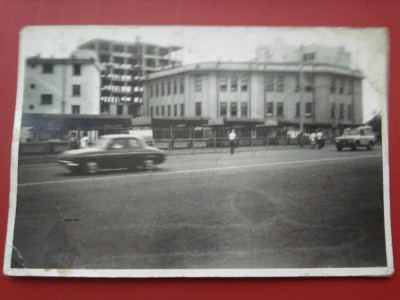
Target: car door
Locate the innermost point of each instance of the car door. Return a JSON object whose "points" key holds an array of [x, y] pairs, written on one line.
{"points": [[116, 153], [135, 152]]}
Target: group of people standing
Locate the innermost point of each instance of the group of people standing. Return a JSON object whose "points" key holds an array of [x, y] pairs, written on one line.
{"points": [[317, 139], [74, 143]]}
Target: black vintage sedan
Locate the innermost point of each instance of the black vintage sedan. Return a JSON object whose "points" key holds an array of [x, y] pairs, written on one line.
{"points": [[117, 151]]}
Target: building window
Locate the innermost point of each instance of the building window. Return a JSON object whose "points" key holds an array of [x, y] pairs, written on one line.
{"points": [[151, 91], [198, 109], [77, 70], [175, 87], [308, 56], [32, 86], [157, 111], [223, 109], [350, 87], [76, 109], [279, 109], [182, 85], [308, 83], [223, 85], [349, 112], [105, 108], [269, 83], [182, 109], [270, 108], [162, 89], [244, 84], [131, 110], [309, 109], [332, 87], [76, 90], [157, 91], [151, 111], [243, 110], [46, 99], [47, 68], [234, 84], [169, 110], [197, 84], [333, 111], [175, 110], [31, 107], [169, 87], [297, 109], [234, 109], [163, 110], [341, 111], [120, 109], [341, 86], [297, 87], [279, 84]]}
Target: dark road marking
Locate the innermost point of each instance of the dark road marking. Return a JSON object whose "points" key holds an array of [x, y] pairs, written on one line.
{"points": [[202, 170]]}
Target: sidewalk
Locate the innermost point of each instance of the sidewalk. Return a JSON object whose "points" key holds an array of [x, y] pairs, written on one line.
{"points": [[46, 158]]}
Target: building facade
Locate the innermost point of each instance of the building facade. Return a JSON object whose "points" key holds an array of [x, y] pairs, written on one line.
{"points": [[124, 66], [62, 86], [306, 91]]}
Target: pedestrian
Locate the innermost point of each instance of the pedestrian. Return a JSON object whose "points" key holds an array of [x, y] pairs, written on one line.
{"points": [[84, 141], [320, 139], [73, 142], [312, 138], [232, 140]]}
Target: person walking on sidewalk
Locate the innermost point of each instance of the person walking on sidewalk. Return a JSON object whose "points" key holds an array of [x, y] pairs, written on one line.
{"points": [[232, 140]]}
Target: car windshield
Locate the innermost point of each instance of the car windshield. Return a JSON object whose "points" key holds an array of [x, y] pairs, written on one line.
{"points": [[351, 132], [101, 143]]}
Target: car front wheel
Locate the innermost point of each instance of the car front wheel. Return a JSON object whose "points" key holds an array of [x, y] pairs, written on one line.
{"points": [[370, 146], [91, 167], [339, 148], [355, 146]]}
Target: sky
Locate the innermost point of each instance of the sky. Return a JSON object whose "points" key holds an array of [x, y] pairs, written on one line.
{"points": [[368, 46]]}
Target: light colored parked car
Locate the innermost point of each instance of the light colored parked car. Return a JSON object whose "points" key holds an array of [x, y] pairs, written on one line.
{"points": [[354, 138]]}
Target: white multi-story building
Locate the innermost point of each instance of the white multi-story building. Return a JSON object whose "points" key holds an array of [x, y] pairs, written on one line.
{"points": [[62, 86]]}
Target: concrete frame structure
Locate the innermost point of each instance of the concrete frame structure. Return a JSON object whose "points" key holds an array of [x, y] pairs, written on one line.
{"points": [[125, 65]]}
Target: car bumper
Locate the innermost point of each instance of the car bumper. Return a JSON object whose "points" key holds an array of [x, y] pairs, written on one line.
{"points": [[68, 163]]}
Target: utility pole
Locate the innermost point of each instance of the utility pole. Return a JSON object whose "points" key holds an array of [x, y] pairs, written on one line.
{"points": [[301, 86]]}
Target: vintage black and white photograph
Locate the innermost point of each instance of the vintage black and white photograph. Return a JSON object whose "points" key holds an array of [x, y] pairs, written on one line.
{"points": [[196, 151]]}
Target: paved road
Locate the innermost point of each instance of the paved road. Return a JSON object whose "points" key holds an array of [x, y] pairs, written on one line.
{"points": [[262, 209]]}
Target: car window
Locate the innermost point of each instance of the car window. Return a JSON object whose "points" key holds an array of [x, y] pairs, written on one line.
{"points": [[134, 143], [118, 144]]}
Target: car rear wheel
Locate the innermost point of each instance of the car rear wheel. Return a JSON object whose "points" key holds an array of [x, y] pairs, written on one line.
{"points": [[149, 164], [91, 167], [339, 148]]}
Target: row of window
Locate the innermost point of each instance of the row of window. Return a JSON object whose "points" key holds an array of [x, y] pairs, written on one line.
{"points": [[75, 109], [341, 111], [166, 110], [76, 89], [273, 83], [105, 109], [167, 88], [48, 68]]}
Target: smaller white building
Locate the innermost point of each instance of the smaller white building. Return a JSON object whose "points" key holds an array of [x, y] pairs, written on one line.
{"points": [[62, 86]]}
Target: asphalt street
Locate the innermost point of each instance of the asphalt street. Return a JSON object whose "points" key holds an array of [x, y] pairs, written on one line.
{"points": [[286, 208]]}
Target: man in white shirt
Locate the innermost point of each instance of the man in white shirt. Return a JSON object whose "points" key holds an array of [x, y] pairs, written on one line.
{"points": [[84, 143], [232, 140]]}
